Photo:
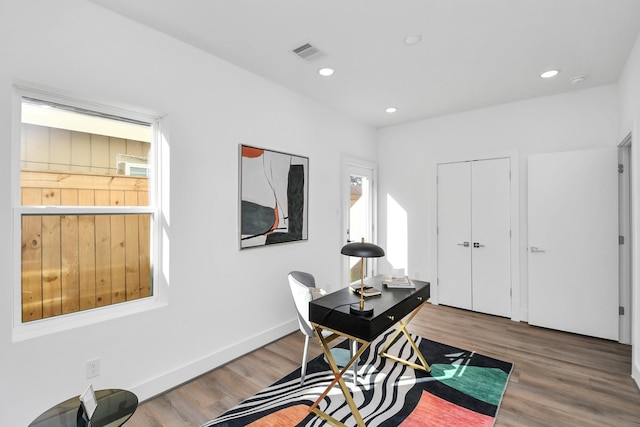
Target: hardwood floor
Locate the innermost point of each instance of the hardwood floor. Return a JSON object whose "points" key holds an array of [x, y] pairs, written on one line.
{"points": [[559, 379]]}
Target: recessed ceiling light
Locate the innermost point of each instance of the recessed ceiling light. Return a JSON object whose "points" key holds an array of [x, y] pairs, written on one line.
{"points": [[326, 72], [549, 74], [391, 110], [413, 39]]}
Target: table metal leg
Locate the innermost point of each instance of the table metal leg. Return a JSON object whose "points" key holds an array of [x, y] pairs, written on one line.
{"points": [[338, 374], [424, 366], [355, 355]]}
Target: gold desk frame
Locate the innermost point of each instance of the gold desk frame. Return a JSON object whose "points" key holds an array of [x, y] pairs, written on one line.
{"points": [[338, 373]]}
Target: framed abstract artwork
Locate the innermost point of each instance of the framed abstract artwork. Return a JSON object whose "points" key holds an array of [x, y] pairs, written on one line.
{"points": [[274, 197]]}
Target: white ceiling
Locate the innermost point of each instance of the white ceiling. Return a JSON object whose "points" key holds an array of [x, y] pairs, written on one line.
{"points": [[473, 53]]}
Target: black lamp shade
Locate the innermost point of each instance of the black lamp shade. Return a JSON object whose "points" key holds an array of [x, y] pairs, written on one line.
{"points": [[362, 250]]}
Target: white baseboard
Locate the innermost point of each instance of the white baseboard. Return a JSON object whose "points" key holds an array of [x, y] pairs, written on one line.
{"points": [[195, 368], [635, 373]]}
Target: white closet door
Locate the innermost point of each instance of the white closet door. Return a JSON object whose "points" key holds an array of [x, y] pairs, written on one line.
{"points": [[454, 230], [490, 236], [573, 242]]}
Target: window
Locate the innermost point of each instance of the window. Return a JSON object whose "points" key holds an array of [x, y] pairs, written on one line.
{"points": [[359, 209], [85, 206]]}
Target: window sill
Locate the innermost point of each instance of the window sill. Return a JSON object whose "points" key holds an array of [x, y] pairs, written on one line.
{"points": [[38, 328]]}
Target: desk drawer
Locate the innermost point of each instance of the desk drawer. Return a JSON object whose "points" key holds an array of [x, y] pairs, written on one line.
{"points": [[393, 315]]}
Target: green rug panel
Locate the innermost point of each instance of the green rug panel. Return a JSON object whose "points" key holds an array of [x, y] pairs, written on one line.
{"points": [[484, 384]]}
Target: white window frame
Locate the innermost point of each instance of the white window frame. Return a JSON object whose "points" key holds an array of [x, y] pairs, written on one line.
{"points": [[35, 328]]}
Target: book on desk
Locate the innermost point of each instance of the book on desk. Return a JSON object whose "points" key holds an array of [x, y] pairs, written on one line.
{"points": [[398, 283], [368, 291]]}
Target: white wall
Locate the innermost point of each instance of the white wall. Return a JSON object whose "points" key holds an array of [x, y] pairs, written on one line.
{"points": [[407, 154], [629, 94], [222, 302]]}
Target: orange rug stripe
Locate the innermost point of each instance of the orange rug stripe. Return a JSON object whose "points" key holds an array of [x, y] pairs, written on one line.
{"points": [[432, 411], [290, 416]]}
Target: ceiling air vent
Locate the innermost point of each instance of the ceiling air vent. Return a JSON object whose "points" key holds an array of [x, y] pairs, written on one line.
{"points": [[308, 52]]}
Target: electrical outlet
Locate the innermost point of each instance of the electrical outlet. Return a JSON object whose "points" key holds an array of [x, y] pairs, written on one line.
{"points": [[93, 367]]}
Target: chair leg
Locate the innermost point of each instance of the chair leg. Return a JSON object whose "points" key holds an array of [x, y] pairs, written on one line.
{"points": [[305, 351], [354, 349]]}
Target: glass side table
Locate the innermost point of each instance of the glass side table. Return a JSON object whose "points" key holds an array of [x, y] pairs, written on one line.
{"points": [[114, 408]]}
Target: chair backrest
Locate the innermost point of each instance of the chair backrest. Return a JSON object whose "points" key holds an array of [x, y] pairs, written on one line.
{"points": [[300, 284]]}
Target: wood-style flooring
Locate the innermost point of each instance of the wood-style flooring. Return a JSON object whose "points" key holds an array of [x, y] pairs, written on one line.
{"points": [[559, 379]]}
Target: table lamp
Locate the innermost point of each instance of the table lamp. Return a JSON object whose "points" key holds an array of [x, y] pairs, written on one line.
{"points": [[362, 250]]}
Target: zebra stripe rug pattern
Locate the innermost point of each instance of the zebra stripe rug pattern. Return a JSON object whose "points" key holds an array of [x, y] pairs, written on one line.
{"points": [[464, 388]]}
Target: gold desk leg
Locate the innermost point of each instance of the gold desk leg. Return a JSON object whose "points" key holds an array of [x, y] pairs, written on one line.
{"points": [[403, 329], [337, 373], [328, 418]]}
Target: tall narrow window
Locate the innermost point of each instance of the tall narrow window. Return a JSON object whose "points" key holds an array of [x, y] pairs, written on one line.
{"points": [[85, 208]]}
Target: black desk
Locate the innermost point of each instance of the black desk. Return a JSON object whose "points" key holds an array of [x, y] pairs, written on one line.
{"points": [[114, 408], [395, 307], [332, 310]]}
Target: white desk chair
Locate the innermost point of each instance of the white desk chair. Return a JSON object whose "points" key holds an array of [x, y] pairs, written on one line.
{"points": [[303, 290]]}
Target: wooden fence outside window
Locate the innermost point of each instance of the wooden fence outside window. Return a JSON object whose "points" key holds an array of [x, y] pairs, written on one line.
{"points": [[72, 263]]}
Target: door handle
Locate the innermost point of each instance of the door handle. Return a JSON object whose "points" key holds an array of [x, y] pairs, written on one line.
{"points": [[477, 245], [536, 250], [465, 244]]}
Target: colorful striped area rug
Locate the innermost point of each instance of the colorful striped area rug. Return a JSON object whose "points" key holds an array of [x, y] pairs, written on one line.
{"points": [[463, 389]]}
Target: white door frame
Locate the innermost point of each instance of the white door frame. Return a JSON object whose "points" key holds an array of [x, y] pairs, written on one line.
{"points": [[625, 229], [635, 250], [517, 311], [349, 165]]}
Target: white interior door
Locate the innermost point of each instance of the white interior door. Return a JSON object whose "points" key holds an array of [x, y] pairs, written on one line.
{"points": [[573, 242], [490, 236], [454, 234]]}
